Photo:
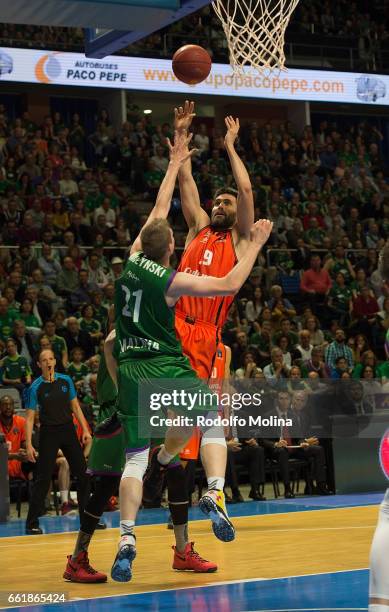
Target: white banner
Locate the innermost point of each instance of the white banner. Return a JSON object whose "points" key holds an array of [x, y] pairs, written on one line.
{"points": [[149, 74]]}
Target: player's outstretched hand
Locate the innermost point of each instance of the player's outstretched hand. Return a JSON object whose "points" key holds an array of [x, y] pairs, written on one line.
{"points": [[183, 116], [232, 126], [179, 151], [260, 232]]}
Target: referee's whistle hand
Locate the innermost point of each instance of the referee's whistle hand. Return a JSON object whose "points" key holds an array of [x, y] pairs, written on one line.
{"points": [[31, 453]]}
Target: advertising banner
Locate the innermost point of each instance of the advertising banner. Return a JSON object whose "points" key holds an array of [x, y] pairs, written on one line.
{"points": [[150, 74]]}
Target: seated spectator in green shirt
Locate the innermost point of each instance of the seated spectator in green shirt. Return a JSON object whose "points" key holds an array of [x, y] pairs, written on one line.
{"points": [[368, 359], [7, 318], [26, 313], [77, 369], [58, 344], [89, 323], [15, 369]]}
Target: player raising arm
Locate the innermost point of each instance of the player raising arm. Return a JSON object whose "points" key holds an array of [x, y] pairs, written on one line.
{"points": [[236, 213]]}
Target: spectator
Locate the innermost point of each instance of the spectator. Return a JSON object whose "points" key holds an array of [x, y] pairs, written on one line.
{"points": [[283, 344], [316, 284], [89, 323], [67, 279], [365, 310], [75, 337], [249, 366], [95, 274], [58, 345], [13, 428], [279, 305], [316, 364], [7, 318], [77, 368], [276, 446], [309, 446], [338, 348], [245, 451], [49, 265], [340, 299], [254, 307], [15, 368], [303, 350], [286, 330], [277, 368], [27, 315], [24, 340]]}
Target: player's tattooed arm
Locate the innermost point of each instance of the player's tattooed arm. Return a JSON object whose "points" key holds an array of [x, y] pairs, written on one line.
{"points": [[245, 206], [195, 217], [209, 286], [179, 153]]}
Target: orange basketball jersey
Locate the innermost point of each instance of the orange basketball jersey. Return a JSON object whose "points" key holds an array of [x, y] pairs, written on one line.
{"points": [[211, 253]]}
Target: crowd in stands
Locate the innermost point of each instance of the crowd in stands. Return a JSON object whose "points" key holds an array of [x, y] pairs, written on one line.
{"points": [[315, 305], [359, 21]]}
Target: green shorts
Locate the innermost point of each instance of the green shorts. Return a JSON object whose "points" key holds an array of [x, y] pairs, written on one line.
{"points": [[160, 374], [107, 455]]}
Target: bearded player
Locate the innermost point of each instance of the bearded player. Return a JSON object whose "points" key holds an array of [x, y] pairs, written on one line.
{"points": [[379, 553], [213, 247]]}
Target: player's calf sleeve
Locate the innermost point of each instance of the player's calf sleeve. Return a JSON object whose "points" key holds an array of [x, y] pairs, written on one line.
{"points": [[177, 494], [105, 487], [136, 464], [178, 504]]}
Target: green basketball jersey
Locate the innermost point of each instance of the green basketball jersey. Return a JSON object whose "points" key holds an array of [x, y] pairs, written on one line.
{"points": [[144, 322], [105, 387]]}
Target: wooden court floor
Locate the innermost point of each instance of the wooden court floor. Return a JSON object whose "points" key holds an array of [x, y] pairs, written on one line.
{"points": [[266, 546]]}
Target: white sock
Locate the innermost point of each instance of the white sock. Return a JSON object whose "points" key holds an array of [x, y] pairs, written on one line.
{"points": [[64, 497], [163, 456], [127, 535], [378, 608], [215, 482]]}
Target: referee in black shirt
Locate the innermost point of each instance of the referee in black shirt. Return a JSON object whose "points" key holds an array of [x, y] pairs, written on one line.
{"points": [[55, 396]]}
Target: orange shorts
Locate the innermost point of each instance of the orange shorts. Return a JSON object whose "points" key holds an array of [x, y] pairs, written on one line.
{"points": [[200, 344]]}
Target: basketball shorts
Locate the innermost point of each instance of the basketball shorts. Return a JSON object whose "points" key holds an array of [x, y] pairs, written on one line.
{"points": [[132, 374], [200, 344], [107, 455]]}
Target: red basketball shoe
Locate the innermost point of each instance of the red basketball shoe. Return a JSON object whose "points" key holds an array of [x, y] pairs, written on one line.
{"points": [[190, 560], [81, 571]]}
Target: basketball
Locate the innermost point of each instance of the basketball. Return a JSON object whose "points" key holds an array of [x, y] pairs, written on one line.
{"points": [[191, 64]]}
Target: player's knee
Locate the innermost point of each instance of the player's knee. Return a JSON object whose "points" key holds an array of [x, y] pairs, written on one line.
{"points": [[136, 465], [62, 463], [213, 435]]}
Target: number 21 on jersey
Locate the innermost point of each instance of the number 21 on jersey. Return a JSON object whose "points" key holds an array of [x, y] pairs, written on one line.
{"points": [[133, 301]]}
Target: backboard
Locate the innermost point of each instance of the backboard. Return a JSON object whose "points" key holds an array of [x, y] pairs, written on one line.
{"points": [[109, 25]]}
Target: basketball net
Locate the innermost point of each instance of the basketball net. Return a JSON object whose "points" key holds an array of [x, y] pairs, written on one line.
{"points": [[255, 32]]}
